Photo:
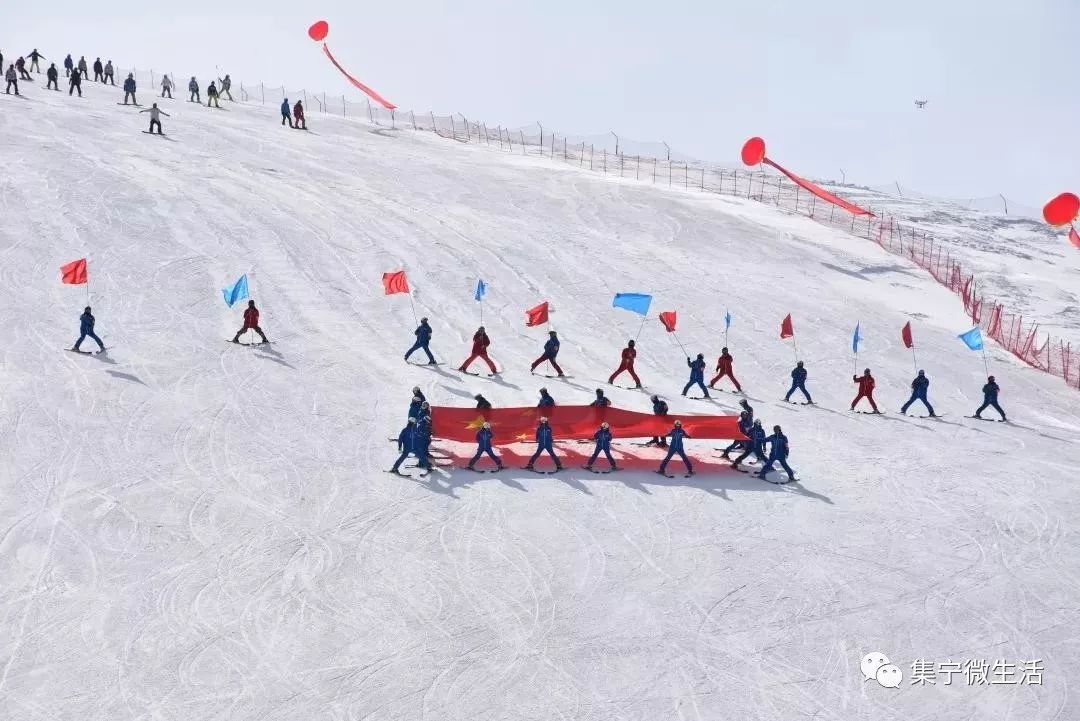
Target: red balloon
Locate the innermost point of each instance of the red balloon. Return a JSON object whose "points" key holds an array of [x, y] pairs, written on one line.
{"points": [[1062, 210], [753, 152], [318, 31]]}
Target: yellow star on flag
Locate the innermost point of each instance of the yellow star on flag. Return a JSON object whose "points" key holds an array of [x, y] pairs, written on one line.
{"points": [[475, 423], [522, 437]]}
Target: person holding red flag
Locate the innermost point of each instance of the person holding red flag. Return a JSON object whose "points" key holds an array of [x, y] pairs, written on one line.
{"points": [[423, 341], [480, 343], [627, 364], [86, 330], [723, 368], [551, 351], [866, 390], [697, 374], [251, 322]]}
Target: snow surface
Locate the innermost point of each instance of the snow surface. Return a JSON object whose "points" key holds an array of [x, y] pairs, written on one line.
{"points": [[194, 530]]}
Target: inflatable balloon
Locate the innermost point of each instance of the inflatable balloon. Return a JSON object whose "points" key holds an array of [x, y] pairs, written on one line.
{"points": [[319, 31], [753, 151], [1062, 210]]}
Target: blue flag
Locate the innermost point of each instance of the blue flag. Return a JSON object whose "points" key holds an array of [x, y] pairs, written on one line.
{"points": [[972, 339], [855, 340], [634, 302], [727, 320], [237, 291], [481, 291]]}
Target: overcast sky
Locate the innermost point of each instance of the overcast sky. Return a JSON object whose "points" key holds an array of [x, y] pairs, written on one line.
{"points": [[830, 85]]}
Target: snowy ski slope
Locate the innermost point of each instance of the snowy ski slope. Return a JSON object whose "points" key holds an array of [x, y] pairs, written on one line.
{"points": [[197, 531]]}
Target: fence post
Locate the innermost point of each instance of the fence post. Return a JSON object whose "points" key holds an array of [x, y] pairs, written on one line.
{"points": [[509, 139], [343, 108], [721, 190], [324, 101], [581, 160], [654, 171], [750, 186], [262, 94], [371, 118], [853, 223], [564, 150], [393, 121], [669, 173], [468, 130], [153, 82], [305, 99], [869, 223], [592, 152], [797, 202], [779, 186], [605, 161], [703, 178], [523, 150]]}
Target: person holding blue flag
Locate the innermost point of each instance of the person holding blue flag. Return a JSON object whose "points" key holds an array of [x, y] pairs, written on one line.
{"points": [[629, 354], [990, 398], [677, 435], [251, 322], [798, 383], [480, 343], [919, 388], [697, 374], [483, 445], [724, 367], [603, 445], [423, 338], [866, 390]]}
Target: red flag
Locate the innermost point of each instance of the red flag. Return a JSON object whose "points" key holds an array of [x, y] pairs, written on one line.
{"points": [[74, 273], [787, 330], [1074, 237], [905, 334], [395, 282], [668, 319], [537, 315]]}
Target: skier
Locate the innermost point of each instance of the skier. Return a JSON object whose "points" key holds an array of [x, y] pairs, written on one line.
{"points": [[551, 352], [483, 445], [129, 89], [82, 66], [745, 424], [600, 401], [193, 88], [798, 382], [659, 408], [480, 343], [110, 75], [755, 445], [251, 314], [627, 364], [544, 442], [990, 398], [69, 65], [423, 436], [546, 401], [20, 65], [417, 393], [778, 453], [482, 404], [155, 119], [86, 330], [406, 442], [424, 416], [167, 86], [75, 82], [697, 374], [919, 387], [285, 116], [423, 338], [676, 434], [414, 406], [12, 80], [298, 115], [211, 95], [748, 408], [52, 74], [723, 368], [866, 390], [99, 71], [603, 444], [225, 85], [34, 57]]}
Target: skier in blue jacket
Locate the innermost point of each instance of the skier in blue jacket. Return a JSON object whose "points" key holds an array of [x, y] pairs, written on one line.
{"points": [[745, 424], [919, 387], [417, 393], [483, 445], [129, 89], [697, 374], [798, 382], [86, 330], [601, 400], [545, 441], [414, 407], [423, 437], [286, 116], [677, 434], [755, 445], [423, 338], [778, 453], [659, 408], [546, 401], [551, 351], [406, 442], [990, 398], [69, 65], [603, 444]]}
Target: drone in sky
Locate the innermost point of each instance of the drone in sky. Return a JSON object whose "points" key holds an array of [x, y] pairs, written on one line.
{"points": [[920, 104]]}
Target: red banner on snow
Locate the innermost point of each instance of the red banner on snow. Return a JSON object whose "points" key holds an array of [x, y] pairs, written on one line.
{"points": [[1074, 238], [514, 425], [905, 335], [668, 319], [537, 316], [787, 330], [74, 273], [395, 282], [753, 153]]}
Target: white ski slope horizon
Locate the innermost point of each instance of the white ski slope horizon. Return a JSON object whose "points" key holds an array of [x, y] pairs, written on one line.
{"points": [[195, 530]]}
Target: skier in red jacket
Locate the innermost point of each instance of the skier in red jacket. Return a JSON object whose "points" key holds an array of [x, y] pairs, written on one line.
{"points": [[480, 343], [866, 390], [628, 356], [723, 368], [251, 321]]}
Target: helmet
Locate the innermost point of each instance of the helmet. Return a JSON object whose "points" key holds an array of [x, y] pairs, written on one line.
{"points": [[757, 421], [487, 425], [776, 428], [678, 423], [604, 424], [989, 379], [866, 371], [631, 344], [543, 419]]}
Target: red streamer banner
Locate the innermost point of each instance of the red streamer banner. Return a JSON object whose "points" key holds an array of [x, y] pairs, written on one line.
{"points": [[514, 425], [753, 153], [318, 32]]}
